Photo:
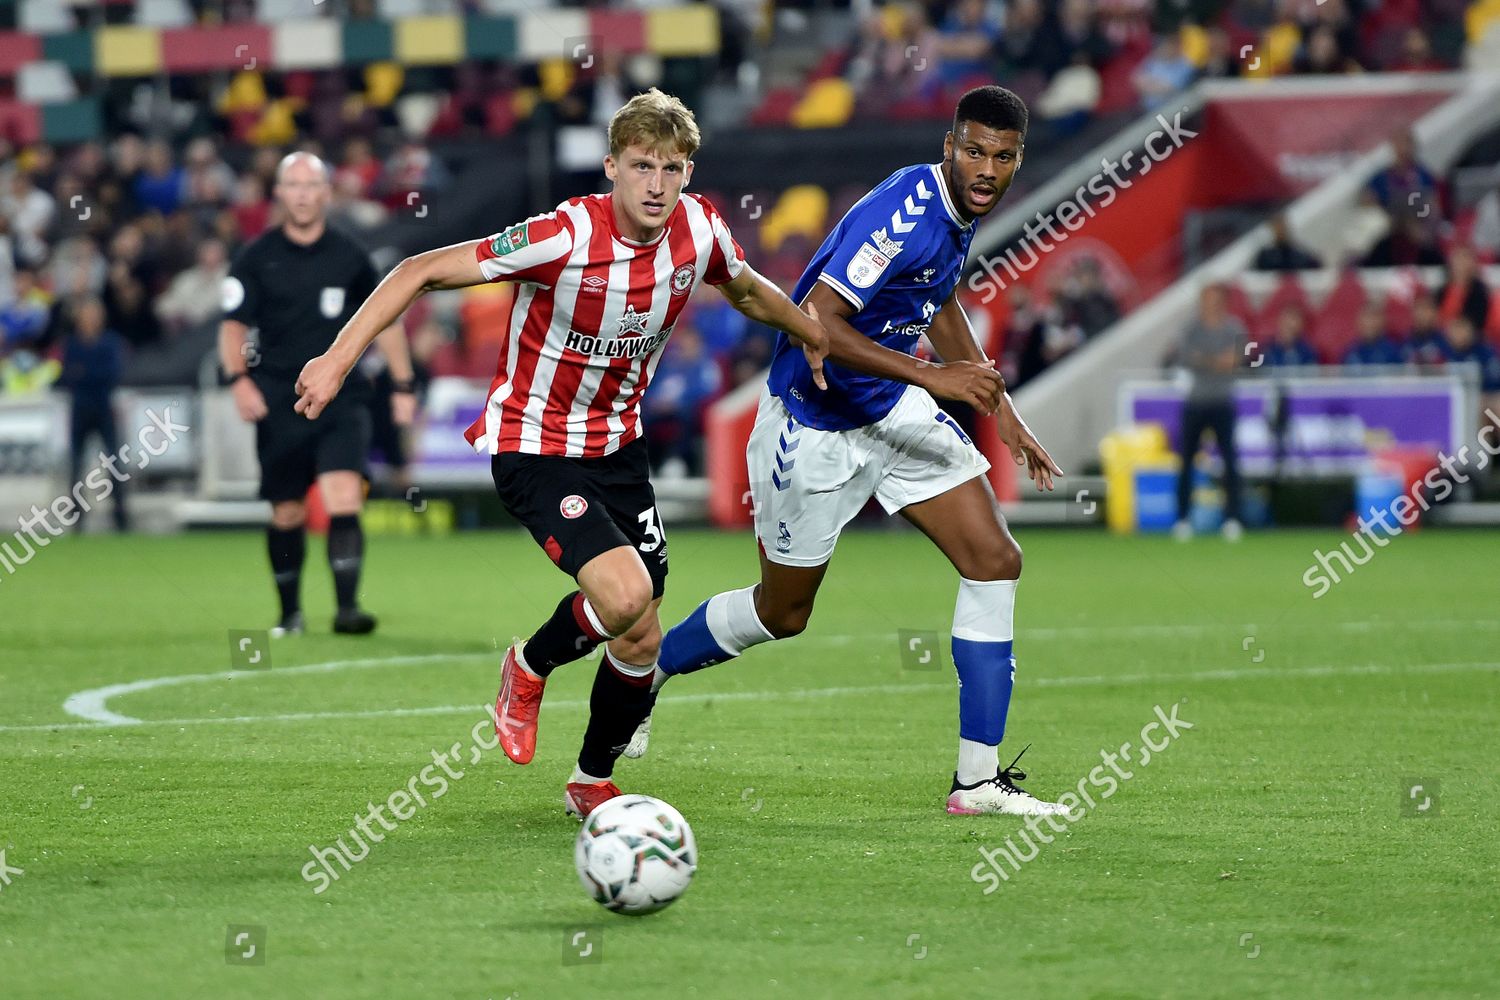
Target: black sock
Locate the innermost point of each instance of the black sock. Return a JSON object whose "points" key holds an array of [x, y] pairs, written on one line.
{"points": [[567, 636], [619, 703], [286, 547], [346, 554]]}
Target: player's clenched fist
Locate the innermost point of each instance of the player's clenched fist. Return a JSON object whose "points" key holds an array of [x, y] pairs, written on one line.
{"points": [[978, 385], [320, 381]]}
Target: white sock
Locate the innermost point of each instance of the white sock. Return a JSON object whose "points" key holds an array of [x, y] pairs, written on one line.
{"points": [[579, 778], [733, 622], [976, 762], [630, 669]]}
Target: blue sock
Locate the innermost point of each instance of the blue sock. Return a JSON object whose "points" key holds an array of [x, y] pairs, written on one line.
{"points": [[689, 645], [721, 628], [986, 674]]}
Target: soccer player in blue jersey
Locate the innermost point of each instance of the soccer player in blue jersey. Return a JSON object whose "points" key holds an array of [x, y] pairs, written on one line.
{"points": [[885, 276]]}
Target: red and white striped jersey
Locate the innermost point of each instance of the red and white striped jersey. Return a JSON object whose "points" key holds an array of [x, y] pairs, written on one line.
{"points": [[591, 315]]}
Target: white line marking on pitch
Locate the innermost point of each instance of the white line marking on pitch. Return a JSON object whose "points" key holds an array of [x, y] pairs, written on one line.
{"points": [[90, 704], [1099, 680]]}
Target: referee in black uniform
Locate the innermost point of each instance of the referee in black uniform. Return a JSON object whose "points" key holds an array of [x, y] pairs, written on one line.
{"points": [[298, 284]]}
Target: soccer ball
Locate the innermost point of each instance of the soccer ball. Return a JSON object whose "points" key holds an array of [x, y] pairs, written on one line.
{"points": [[635, 854]]}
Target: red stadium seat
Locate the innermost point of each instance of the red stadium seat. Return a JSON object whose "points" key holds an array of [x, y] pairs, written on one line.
{"points": [[1335, 324], [1398, 314], [1289, 292], [1239, 305], [776, 109]]}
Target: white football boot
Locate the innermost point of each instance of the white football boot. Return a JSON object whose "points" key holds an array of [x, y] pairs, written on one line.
{"points": [[640, 741], [1000, 795]]}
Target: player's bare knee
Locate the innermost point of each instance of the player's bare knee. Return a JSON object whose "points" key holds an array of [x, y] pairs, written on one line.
{"points": [[622, 605], [996, 562], [640, 649], [289, 514], [784, 623]]}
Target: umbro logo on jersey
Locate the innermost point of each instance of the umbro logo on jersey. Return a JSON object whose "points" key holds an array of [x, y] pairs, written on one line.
{"points": [[594, 283], [632, 322]]}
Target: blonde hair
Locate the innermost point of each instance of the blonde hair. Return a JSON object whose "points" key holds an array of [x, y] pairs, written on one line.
{"points": [[658, 122]]}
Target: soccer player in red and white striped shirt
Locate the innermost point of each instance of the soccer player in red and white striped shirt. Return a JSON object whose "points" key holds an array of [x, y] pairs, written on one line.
{"points": [[602, 282]]}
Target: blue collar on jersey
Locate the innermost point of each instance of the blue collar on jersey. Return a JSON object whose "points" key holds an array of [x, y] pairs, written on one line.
{"points": [[942, 185]]}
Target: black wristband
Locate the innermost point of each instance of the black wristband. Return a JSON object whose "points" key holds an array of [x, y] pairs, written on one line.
{"points": [[409, 387], [236, 377]]}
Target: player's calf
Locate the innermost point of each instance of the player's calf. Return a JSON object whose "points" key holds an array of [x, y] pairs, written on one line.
{"points": [[621, 698]]}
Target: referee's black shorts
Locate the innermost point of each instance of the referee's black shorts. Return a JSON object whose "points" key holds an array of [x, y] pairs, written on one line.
{"points": [[579, 508], [294, 451]]}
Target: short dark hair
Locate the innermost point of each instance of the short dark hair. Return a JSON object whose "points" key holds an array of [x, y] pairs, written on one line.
{"points": [[993, 107]]}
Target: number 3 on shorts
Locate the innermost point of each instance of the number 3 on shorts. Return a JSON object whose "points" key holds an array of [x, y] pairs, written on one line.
{"points": [[651, 529]]}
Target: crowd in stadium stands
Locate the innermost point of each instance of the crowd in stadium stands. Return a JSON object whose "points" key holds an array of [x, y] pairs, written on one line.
{"points": [[142, 226]]}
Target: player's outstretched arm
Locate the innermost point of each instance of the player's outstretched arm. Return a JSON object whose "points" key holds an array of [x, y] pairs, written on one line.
{"points": [[953, 338], [760, 300], [455, 266], [978, 385]]}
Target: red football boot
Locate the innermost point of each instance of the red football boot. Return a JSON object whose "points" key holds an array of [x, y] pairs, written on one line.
{"points": [[580, 799], [516, 708]]}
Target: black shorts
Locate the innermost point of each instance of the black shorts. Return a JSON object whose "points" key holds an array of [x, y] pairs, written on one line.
{"points": [[578, 508], [294, 451]]}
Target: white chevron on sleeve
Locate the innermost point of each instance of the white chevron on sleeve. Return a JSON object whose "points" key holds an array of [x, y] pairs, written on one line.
{"points": [[912, 208], [922, 191], [899, 224]]}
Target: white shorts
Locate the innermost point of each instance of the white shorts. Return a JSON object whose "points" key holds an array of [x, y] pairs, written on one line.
{"points": [[807, 484]]}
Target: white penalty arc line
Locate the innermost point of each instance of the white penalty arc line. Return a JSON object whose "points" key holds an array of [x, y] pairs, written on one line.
{"points": [[92, 705], [1099, 680]]}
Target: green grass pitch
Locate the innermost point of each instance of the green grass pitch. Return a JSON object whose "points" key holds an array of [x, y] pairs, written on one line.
{"points": [[1274, 850]]}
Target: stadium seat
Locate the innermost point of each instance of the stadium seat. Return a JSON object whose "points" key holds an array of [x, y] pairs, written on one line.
{"points": [[246, 92], [802, 209], [1398, 314], [500, 114], [1288, 291], [829, 103], [1240, 305], [1335, 324], [416, 113], [383, 83], [1480, 18], [776, 107]]}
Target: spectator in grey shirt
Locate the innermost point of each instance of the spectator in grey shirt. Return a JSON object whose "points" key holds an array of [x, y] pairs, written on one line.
{"points": [[1210, 352]]}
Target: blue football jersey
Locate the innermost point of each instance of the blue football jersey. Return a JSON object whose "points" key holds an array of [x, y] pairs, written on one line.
{"points": [[897, 256]]}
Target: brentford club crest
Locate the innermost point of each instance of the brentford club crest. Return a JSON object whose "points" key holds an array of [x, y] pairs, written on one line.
{"points": [[573, 506], [682, 279]]}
